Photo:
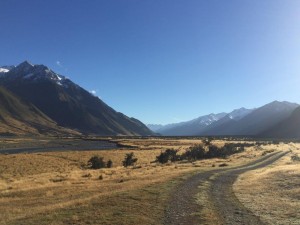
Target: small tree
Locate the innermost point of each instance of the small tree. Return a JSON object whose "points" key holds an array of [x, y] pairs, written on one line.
{"points": [[109, 164], [195, 152], [129, 160], [96, 162], [213, 152], [168, 155]]}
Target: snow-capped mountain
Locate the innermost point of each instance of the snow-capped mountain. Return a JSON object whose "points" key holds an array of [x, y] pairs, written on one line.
{"points": [[238, 114], [67, 103], [191, 127], [208, 119], [30, 72], [248, 122], [254, 123]]}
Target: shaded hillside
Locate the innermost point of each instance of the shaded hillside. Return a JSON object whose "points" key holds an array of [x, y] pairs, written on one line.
{"points": [[67, 103], [288, 128], [20, 117]]}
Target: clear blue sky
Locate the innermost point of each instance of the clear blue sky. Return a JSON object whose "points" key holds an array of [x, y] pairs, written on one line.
{"points": [[162, 61]]}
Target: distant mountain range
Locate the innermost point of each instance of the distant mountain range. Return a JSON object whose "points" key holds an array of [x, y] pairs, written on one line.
{"points": [[36, 100], [276, 119], [62, 103]]}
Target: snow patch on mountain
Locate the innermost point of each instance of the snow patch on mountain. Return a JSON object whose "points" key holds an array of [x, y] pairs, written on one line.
{"points": [[238, 114], [31, 72], [3, 70]]}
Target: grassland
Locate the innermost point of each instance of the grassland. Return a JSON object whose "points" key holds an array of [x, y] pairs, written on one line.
{"points": [[57, 187], [273, 193]]}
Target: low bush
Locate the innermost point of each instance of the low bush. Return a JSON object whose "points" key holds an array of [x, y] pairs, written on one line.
{"points": [[129, 159], [225, 151], [195, 152], [198, 152], [109, 164], [168, 155], [96, 162], [295, 158]]}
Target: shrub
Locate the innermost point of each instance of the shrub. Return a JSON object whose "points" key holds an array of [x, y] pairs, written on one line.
{"points": [[226, 150], [198, 152], [168, 155], [213, 152], [96, 162], [129, 160], [295, 158], [109, 164], [195, 152]]}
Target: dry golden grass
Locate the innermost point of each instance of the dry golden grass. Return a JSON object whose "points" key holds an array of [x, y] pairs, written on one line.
{"points": [[273, 193], [55, 187]]}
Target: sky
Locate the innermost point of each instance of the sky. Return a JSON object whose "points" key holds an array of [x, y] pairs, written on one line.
{"points": [[162, 61]]}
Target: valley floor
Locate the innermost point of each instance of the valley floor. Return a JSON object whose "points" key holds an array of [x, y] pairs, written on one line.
{"points": [[58, 188]]}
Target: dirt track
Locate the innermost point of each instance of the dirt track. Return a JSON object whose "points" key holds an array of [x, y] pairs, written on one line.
{"points": [[216, 194]]}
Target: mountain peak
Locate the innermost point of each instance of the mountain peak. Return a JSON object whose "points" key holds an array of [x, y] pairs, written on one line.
{"points": [[26, 62], [25, 65], [32, 73]]}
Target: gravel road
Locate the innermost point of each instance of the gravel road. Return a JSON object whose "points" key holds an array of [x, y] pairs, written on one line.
{"points": [[216, 186]]}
